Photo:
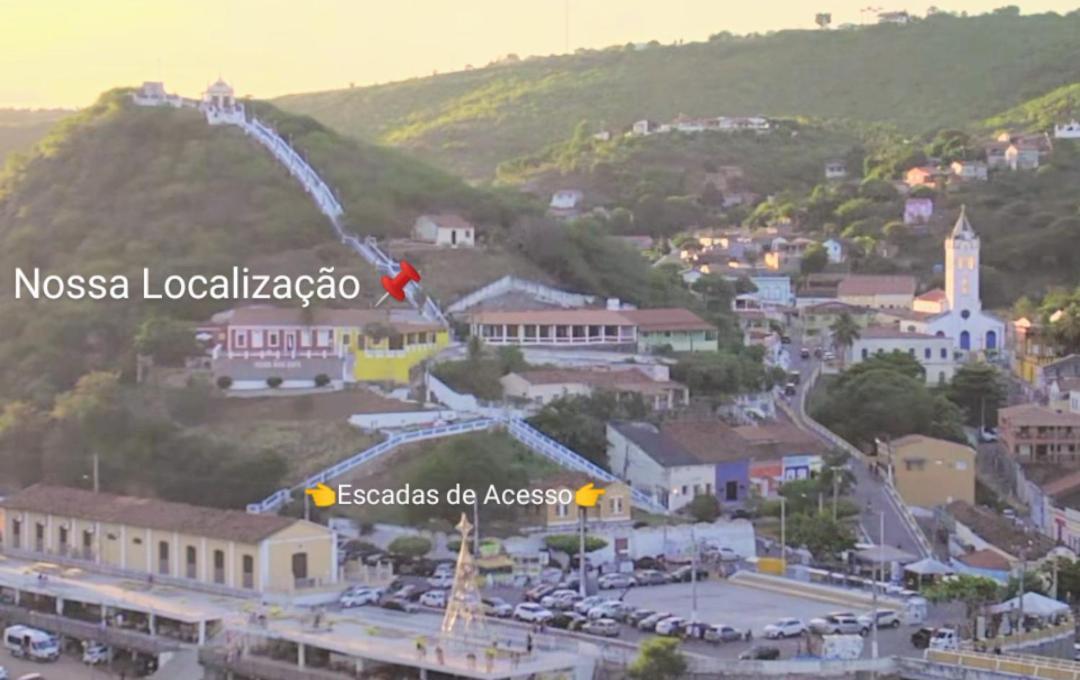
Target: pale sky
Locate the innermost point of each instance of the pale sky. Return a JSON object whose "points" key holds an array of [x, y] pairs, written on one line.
{"points": [[65, 52]]}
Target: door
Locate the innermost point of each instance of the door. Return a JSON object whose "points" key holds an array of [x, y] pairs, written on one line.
{"points": [[299, 566], [731, 491]]}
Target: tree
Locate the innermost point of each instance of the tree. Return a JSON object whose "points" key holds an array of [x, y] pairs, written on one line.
{"points": [[659, 659], [845, 331], [974, 591], [820, 534], [580, 422], [1065, 329], [571, 543], [410, 546], [715, 291], [704, 508], [22, 428], [167, 340], [979, 390], [814, 259], [823, 19]]}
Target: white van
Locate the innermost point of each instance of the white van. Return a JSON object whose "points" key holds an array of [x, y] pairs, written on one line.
{"points": [[946, 639], [31, 643]]}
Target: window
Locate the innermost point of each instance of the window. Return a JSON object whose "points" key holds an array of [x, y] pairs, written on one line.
{"points": [[617, 505], [163, 557], [16, 533], [944, 353], [911, 352], [345, 339], [731, 491], [684, 489], [241, 339], [915, 464], [865, 353], [397, 341], [961, 465], [927, 353], [63, 535], [562, 509], [137, 540]]}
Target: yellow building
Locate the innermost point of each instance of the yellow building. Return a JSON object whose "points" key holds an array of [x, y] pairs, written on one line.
{"points": [[929, 472], [1031, 350], [877, 291], [612, 508], [173, 542], [818, 319], [300, 348]]}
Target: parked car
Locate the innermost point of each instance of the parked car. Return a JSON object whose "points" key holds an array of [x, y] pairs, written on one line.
{"points": [[760, 653], [358, 597], [886, 618], [790, 389], [441, 581], [651, 577], [804, 353], [530, 612], [411, 591], [648, 562], [673, 625], [784, 628], [721, 633], [648, 624], [988, 434], [612, 609], [560, 599], [567, 620], [583, 606], [434, 598], [538, 591], [399, 604], [682, 574], [724, 554], [498, 607], [611, 581], [635, 617], [605, 627], [3, 673], [446, 568], [920, 639], [94, 653], [945, 639], [838, 625]]}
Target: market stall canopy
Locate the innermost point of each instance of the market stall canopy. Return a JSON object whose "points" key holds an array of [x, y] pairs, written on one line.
{"points": [[929, 567], [1034, 604]]}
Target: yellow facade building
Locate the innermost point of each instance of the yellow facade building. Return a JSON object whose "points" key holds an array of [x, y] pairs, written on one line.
{"points": [[929, 472], [613, 507], [174, 542]]}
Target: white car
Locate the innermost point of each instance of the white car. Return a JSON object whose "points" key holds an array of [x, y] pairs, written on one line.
{"points": [[605, 627], [784, 628], [3, 673], [358, 597], [441, 581], [886, 618], [94, 653], [608, 581], [530, 612], [612, 609], [560, 599], [838, 624], [498, 607], [671, 626], [583, 606], [434, 598]]}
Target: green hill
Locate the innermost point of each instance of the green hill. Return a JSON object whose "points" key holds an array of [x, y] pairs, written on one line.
{"points": [[941, 71], [1041, 113], [20, 129]]}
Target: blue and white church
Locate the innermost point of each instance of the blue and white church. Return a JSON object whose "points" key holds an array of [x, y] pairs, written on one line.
{"points": [[960, 315]]}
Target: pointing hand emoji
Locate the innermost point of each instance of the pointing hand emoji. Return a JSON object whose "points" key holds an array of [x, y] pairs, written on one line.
{"points": [[588, 496], [322, 495]]}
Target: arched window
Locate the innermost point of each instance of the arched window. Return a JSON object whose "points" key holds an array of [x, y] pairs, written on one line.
{"points": [[991, 340], [965, 340]]}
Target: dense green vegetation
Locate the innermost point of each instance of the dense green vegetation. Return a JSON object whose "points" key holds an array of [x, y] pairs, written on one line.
{"points": [[20, 129], [580, 422], [941, 71]]}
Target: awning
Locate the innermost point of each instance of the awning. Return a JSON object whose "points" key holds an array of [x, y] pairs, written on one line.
{"points": [[1034, 604], [929, 567]]}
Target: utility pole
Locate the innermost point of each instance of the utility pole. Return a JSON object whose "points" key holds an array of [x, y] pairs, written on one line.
{"points": [[581, 551], [783, 533], [1020, 597], [476, 526], [834, 493], [693, 575], [877, 584], [97, 473]]}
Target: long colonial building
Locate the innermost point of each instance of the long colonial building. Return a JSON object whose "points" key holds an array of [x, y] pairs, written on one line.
{"points": [[174, 542]]}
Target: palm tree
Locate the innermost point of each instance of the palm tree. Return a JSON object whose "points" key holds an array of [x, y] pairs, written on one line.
{"points": [[845, 331]]}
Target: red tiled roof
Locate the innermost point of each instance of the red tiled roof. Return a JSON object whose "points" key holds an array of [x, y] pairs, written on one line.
{"points": [[935, 295], [985, 559], [874, 284], [1062, 485], [667, 319], [148, 513], [1034, 415]]}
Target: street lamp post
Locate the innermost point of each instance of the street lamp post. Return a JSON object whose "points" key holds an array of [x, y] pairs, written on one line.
{"points": [[693, 575], [581, 551], [783, 532]]}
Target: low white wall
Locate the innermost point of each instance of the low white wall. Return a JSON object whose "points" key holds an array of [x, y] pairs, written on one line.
{"points": [[378, 421]]}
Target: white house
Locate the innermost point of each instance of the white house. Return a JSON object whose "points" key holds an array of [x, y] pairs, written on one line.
{"points": [[1070, 130], [834, 249], [566, 203], [651, 382], [650, 460], [918, 210], [643, 127], [773, 290], [901, 17], [934, 353], [444, 230], [963, 319], [969, 171], [835, 169], [220, 105]]}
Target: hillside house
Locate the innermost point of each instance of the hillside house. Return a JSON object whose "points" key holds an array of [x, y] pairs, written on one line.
{"points": [[643, 128], [836, 170], [679, 329], [879, 291], [817, 319], [250, 345], [933, 353], [974, 528], [918, 210], [612, 509], [1070, 130], [1031, 432], [924, 176], [652, 383], [969, 171], [444, 230], [834, 249], [1032, 349], [995, 154], [900, 18], [566, 203], [1022, 155], [929, 472], [174, 542]]}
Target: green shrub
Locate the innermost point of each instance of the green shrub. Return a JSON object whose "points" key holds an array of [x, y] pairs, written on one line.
{"points": [[410, 546], [224, 382], [274, 381], [322, 380]]}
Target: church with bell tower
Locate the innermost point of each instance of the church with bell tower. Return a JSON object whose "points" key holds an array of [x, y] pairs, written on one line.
{"points": [[960, 315]]}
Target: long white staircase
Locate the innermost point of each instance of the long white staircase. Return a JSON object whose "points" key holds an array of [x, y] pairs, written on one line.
{"points": [[323, 195]]}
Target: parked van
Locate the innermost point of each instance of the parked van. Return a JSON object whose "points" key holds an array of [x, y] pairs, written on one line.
{"points": [[31, 643], [946, 639]]}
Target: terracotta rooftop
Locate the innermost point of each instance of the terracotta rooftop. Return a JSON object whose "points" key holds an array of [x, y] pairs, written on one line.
{"points": [[708, 441], [922, 440], [1034, 415], [147, 513], [836, 307], [984, 559], [1062, 485], [667, 319], [935, 295], [888, 332], [1000, 531], [875, 284]]}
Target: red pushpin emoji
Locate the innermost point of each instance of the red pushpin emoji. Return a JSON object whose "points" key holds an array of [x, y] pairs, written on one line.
{"points": [[395, 287]]}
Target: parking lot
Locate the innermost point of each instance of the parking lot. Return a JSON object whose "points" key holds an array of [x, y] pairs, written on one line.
{"points": [[67, 668]]}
